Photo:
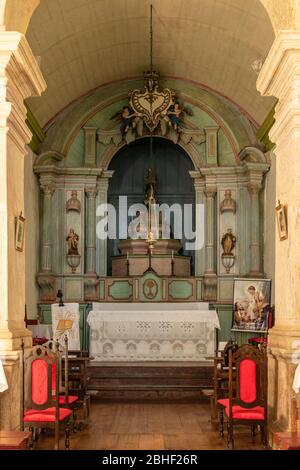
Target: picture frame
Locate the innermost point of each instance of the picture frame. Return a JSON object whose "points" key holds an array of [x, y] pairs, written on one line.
{"points": [[20, 232], [281, 221], [251, 304]]}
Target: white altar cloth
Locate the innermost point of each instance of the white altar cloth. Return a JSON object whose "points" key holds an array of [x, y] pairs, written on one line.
{"points": [[153, 335]]}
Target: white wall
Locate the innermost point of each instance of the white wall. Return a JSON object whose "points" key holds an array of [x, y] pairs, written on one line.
{"points": [[31, 204], [270, 222]]}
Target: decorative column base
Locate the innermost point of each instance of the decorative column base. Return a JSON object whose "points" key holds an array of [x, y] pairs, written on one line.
{"points": [[46, 282], [91, 283], [210, 282], [283, 355]]}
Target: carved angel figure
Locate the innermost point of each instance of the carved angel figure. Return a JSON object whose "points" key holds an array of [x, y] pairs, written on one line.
{"points": [[228, 242]]}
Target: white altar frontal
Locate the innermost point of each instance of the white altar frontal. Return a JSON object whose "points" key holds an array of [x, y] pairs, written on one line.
{"points": [[152, 332]]}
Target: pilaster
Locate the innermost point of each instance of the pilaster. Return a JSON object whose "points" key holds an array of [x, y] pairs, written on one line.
{"points": [[280, 77], [20, 77], [210, 276]]}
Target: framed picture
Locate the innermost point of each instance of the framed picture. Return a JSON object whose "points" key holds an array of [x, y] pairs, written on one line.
{"points": [[281, 221], [252, 304], [20, 232]]}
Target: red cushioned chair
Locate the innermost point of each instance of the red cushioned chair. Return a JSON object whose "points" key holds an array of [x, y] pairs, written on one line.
{"points": [[40, 405], [247, 401], [65, 400]]}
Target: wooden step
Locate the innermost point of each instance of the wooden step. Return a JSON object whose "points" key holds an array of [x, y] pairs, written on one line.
{"points": [[111, 380]]}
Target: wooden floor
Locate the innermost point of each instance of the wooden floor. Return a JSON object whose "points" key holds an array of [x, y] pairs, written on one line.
{"points": [[151, 426]]}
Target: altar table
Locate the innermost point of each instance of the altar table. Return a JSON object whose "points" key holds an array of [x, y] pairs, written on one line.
{"points": [[165, 332]]}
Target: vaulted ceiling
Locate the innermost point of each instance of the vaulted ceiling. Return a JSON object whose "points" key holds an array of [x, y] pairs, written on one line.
{"points": [[83, 44]]}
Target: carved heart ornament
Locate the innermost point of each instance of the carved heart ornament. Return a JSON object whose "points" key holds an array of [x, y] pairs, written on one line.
{"points": [[151, 105]]}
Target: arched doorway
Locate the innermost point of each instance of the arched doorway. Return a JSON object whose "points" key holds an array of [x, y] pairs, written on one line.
{"points": [[171, 164]]}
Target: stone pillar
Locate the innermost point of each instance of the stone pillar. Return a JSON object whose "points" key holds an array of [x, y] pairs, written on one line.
{"points": [[280, 77], [45, 277], [20, 77], [254, 235], [91, 281], [210, 276], [103, 183]]}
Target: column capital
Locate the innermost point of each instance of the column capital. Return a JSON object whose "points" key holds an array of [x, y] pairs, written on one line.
{"points": [[280, 77], [91, 191], [20, 78], [210, 191], [254, 188], [48, 188]]}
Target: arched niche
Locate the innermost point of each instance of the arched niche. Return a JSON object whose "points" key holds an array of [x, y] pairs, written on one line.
{"points": [[172, 166]]}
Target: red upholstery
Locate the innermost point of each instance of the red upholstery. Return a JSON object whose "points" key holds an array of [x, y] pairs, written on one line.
{"points": [[47, 415], [238, 412], [224, 402], [247, 380], [72, 399], [39, 381]]}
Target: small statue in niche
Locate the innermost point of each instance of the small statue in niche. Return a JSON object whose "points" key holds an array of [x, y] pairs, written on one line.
{"points": [[72, 240], [228, 204], [73, 204], [228, 242]]}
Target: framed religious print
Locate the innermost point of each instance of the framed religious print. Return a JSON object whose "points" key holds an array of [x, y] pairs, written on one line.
{"points": [[281, 221], [251, 304], [20, 232]]}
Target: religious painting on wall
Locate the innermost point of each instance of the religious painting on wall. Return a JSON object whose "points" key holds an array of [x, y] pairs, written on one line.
{"points": [[281, 221], [251, 308]]}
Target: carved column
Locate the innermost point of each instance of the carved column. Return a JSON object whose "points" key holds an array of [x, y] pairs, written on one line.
{"points": [[210, 276], [280, 77], [91, 281], [45, 277], [199, 222], [254, 234], [20, 77], [103, 183]]}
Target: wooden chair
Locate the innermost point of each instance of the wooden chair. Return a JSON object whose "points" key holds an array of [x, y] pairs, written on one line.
{"points": [[247, 401], [221, 377], [65, 399], [40, 403]]}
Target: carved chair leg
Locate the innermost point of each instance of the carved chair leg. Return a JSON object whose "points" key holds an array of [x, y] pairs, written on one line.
{"points": [[56, 441], [221, 419], [253, 430], [264, 436], [31, 439], [74, 421], [230, 443], [67, 436]]}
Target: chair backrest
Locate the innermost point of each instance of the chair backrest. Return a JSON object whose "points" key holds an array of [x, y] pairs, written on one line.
{"points": [[62, 353], [250, 366], [232, 346], [37, 378]]}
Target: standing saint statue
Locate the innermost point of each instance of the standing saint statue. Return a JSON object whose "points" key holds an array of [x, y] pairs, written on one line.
{"points": [[228, 242], [72, 240]]}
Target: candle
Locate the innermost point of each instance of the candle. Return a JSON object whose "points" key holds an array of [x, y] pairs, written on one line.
{"points": [[127, 255], [172, 254]]}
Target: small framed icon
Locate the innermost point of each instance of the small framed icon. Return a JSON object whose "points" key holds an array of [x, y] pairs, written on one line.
{"points": [[20, 232], [281, 221]]}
